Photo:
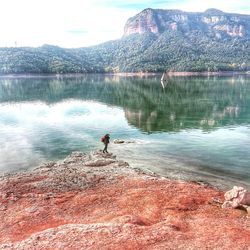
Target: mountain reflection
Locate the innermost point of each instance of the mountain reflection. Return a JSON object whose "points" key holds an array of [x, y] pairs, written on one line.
{"points": [[185, 102]]}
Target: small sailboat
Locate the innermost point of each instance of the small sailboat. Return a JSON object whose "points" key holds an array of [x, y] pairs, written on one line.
{"points": [[163, 80]]}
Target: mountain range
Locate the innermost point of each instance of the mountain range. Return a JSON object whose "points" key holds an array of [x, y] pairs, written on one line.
{"points": [[154, 40]]}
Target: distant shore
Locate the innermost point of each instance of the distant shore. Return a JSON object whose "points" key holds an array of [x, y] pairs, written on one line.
{"points": [[185, 73], [128, 74], [208, 73]]}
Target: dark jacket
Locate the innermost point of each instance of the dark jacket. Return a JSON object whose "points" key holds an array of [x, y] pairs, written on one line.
{"points": [[106, 139]]}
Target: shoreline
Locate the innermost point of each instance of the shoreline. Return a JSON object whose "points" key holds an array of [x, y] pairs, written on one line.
{"points": [[186, 73], [129, 74], [208, 73], [182, 168], [95, 201], [186, 171]]}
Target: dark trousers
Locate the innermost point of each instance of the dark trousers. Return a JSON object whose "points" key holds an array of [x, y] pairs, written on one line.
{"points": [[105, 148]]}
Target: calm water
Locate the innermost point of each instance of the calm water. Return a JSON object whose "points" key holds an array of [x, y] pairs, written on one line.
{"points": [[194, 128]]}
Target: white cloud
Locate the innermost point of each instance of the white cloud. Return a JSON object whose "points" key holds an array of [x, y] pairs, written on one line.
{"points": [[34, 23], [240, 6], [78, 23]]}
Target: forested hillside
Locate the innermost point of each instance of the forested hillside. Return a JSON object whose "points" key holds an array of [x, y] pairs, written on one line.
{"points": [[153, 41]]}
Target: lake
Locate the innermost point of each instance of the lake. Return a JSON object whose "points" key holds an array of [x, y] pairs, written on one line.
{"points": [[191, 128]]}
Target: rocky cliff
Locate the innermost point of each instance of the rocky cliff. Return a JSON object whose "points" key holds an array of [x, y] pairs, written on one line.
{"points": [[212, 22], [153, 41]]}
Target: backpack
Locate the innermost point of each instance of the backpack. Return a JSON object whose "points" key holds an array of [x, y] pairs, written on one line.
{"points": [[103, 138]]}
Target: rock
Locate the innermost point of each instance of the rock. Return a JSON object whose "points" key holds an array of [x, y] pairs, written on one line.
{"points": [[117, 141], [246, 199], [130, 219], [97, 202], [229, 204], [31, 209], [248, 210], [160, 21], [236, 197], [3, 207], [99, 162], [75, 157], [131, 141]]}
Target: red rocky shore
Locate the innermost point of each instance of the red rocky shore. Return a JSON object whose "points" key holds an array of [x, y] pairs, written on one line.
{"points": [[97, 202]]}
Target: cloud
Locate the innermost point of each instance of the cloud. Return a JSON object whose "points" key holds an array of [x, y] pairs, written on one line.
{"points": [[240, 6], [134, 4], [77, 31], [34, 23]]}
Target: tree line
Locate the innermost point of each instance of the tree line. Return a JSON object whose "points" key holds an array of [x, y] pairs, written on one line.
{"points": [[169, 51]]}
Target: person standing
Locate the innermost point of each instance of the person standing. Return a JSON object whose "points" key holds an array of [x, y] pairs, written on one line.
{"points": [[105, 140]]}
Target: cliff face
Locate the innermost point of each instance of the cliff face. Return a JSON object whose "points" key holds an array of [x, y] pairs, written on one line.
{"points": [[212, 22], [153, 41]]}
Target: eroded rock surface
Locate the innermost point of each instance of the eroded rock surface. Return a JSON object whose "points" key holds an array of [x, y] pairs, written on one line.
{"points": [[97, 202], [213, 23]]}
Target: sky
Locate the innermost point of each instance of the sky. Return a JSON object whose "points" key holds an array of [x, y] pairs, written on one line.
{"points": [[81, 23]]}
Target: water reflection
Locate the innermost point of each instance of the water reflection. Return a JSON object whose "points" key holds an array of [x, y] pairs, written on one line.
{"points": [[31, 132], [195, 124], [186, 102]]}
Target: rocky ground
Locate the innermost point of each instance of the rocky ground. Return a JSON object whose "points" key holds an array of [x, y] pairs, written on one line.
{"points": [[97, 202]]}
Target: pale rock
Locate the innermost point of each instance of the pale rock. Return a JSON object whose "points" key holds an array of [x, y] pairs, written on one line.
{"points": [[3, 207], [31, 209], [99, 163], [246, 199], [236, 197], [248, 210]]}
